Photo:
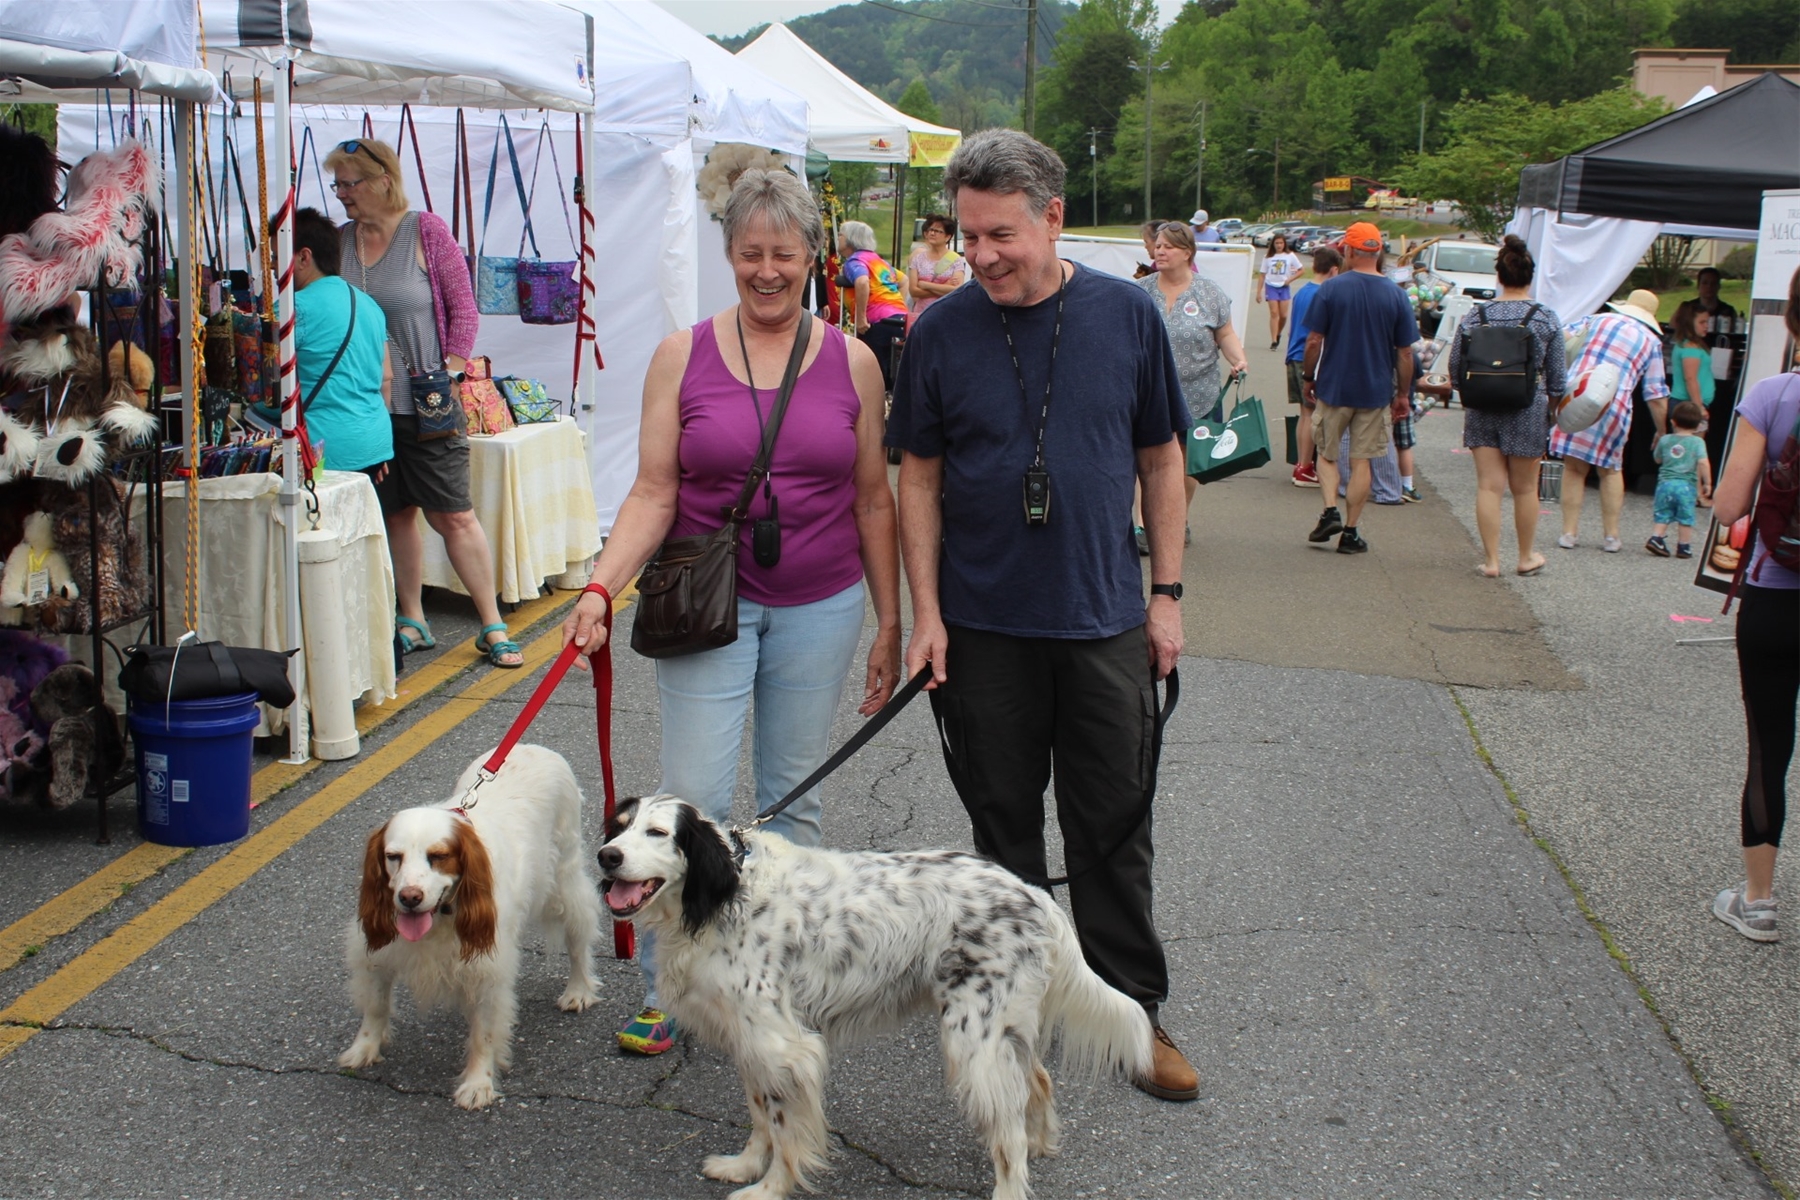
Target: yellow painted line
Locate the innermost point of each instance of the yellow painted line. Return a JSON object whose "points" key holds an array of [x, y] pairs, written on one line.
{"points": [[21, 1020], [98, 891]]}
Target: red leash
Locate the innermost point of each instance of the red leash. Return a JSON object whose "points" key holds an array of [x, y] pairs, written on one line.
{"points": [[600, 663]]}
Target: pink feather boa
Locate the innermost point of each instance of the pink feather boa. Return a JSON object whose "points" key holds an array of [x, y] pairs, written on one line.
{"points": [[110, 199]]}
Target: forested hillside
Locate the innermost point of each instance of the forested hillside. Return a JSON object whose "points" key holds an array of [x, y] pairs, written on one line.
{"points": [[970, 53]]}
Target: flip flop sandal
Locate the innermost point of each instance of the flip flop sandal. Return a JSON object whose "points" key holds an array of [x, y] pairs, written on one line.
{"points": [[497, 651], [424, 641]]}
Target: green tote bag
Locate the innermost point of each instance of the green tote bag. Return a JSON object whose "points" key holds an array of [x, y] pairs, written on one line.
{"points": [[1220, 449]]}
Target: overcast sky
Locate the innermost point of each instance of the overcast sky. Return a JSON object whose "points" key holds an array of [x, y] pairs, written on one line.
{"points": [[729, 17]]}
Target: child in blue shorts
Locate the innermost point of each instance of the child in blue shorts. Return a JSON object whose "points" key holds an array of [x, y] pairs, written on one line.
{"points": [[1685, 475]]}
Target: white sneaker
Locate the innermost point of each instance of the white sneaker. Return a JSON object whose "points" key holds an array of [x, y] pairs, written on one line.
{"points": [[1755, 919], [1567, 541], [1611, 545]]}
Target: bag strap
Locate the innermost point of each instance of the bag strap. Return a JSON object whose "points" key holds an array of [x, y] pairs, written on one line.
{"points": [[407, 122], [462, 182], [562, 194], [229, 675], [332, 365], [529, 197], [759, 469], [487, 210], [307, 143]]}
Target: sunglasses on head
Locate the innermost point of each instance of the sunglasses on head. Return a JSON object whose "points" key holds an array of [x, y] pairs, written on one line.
{"points": [[354, 147]]}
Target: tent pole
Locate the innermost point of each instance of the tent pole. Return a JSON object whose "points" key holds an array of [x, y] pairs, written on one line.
{"points": [[184, 252], [290, 397], [899, 209]]}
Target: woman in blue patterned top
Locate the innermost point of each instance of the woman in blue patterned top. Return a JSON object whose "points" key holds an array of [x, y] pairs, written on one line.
{"points": [[1507, 446]]}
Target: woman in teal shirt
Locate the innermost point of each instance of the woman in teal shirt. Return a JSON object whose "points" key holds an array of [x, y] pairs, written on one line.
{"points": [[1691, 360]]}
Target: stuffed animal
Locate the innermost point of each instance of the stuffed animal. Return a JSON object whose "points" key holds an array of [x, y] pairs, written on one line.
{"points": [[84, 742], [125, 361], [76, 413], [35, 571], [100, 229], [24, 663], [124, 587]]}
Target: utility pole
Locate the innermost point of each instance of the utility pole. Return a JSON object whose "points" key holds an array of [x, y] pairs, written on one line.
{"points": [[1422, 104], [1094, 170], [1200, 163], [1278, 172], [1149, 69], [1031, 20]]}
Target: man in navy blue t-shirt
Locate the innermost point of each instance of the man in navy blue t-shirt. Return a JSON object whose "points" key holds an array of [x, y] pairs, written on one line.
{"points": [[1358, 368], [1027, 408]]}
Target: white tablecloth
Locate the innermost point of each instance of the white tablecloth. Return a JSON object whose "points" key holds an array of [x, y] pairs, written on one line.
{"points": [[535, 499], [241, 571]]}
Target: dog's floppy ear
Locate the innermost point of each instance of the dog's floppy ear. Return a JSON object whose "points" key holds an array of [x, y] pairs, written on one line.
{"points": [[375, 906], [712, 873], [476, 916]]}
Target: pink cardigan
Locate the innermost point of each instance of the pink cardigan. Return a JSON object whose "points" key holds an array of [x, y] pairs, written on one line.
{"points": [[452, 295]]}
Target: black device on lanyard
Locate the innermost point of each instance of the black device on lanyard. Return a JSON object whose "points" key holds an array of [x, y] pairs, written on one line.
{"points": [[1037, 476], [765, 532]]}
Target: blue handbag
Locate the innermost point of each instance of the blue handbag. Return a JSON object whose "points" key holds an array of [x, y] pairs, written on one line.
{"points": [[497, 279]]}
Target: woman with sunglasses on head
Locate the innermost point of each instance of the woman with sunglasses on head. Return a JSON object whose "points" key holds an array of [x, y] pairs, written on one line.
{"points": [[409, 262]]}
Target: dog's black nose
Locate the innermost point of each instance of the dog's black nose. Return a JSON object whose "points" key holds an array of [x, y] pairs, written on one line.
{"points": [[411, 897], [611, 857]]}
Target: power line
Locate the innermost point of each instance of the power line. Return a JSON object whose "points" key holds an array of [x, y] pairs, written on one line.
{"points": [[947, 20]]}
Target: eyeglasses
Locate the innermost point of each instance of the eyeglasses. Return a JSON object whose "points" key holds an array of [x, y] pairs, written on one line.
{"points": [[355, 147], [340, 186]]}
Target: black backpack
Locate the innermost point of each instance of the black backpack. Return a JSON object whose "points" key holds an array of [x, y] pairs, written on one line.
{"points": [[1496, 370]]}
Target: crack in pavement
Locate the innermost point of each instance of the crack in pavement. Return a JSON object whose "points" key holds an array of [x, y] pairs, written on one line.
{"points": [[1534, 935]]}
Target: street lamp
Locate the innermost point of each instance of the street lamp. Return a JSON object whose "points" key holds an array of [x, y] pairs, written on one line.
{"points": [[1149, 69], [1276, 155], [1200, 163]]}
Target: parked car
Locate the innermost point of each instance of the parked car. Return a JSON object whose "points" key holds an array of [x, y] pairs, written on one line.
{"points": [[1468, 266], [1308, 238], [1228, 227], [1261, 240], [1247, 233]]}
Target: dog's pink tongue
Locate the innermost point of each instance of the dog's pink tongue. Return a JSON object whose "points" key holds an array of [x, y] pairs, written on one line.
{"points": [[413, 926], [624, 893]]}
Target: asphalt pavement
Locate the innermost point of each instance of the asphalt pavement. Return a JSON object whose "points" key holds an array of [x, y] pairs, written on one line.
{"points": [[1381, 964]]}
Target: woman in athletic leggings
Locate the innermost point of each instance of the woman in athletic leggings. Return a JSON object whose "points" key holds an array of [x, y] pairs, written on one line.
{"points": [[1768, 646]]}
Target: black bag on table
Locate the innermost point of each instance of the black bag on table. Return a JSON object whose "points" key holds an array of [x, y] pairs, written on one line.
{"points": [[204, 670]]}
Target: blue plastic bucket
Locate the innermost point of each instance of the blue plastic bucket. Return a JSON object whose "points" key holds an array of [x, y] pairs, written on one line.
{"points": [[193, 769]]}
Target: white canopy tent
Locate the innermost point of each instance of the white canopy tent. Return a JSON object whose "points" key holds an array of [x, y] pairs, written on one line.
{"points": [[848, 123], [150, 46]]}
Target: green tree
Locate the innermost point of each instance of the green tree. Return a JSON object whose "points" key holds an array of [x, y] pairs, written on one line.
{"points": [[924, 185], [33, 118], [852, 179], [1492, 140], [1087, 87], [1755, 31]]}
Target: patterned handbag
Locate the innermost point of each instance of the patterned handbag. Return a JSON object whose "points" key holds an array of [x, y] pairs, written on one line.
{"points": [[529, 401], [496, 279], [481, 400], [548, 292]]}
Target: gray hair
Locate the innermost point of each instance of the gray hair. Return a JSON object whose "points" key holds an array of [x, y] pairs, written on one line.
{"points": [[778, 198], [858, 234], [1006, 161]]}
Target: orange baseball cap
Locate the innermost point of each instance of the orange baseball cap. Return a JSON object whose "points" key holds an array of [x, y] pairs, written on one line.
{"points": [[1363, 236]]}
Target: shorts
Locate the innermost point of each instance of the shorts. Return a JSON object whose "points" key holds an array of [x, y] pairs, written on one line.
{"points": [[1278, 293], [1404, 437], [1296, 373], [430, 475], [1675, 499], [1368, 430]]}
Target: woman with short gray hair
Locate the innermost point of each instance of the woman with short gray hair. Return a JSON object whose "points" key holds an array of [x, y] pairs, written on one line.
{"points": [[876, 293], [824, 520]]}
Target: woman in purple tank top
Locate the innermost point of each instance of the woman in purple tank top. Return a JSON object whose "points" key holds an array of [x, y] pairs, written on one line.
{"points": [[707, 394]]}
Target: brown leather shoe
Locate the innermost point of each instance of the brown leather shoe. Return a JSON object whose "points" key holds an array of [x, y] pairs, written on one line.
{"points": [[1170, 1077]]}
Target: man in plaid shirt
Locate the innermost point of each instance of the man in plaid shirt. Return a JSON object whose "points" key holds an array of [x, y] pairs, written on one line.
{"points": [[1630, 339]]}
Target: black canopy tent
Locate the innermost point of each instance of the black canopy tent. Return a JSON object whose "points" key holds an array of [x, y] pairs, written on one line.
{"points": [[1704, 165]]}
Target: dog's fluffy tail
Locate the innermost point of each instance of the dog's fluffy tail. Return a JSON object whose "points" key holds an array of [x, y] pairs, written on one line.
{"points": [[1104, 1031]]}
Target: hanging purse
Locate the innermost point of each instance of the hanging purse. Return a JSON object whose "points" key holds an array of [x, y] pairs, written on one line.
{"points": [[687, 592], [497, 279], [549, 292], [482, 403]]}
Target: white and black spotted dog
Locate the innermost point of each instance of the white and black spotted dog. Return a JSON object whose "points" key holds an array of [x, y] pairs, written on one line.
{"points": [[787, 952]]}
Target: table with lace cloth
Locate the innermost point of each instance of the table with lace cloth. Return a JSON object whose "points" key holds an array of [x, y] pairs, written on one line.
{"points": [[241, 572], [534, 496]]}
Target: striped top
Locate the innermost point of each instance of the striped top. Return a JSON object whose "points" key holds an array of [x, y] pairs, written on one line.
{"points": [[403, 289]]}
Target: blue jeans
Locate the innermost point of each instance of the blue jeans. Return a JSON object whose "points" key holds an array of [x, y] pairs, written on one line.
{"points": [[793, 660]]}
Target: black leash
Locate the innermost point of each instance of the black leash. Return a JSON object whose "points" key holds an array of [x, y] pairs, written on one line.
{"points": [[871, 727]]}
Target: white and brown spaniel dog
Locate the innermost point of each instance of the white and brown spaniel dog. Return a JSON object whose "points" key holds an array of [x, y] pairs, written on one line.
{"points": [[448, 896], [781, 953]]}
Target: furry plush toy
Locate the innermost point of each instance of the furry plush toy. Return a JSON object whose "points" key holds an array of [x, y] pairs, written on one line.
{"points": [[109, 201], [35, 571], [84, 741], [76, 413], [727, 161], [125, 361], [25, 661], [124, 585]]}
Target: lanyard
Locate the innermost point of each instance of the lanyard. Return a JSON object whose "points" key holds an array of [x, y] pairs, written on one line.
{"points": [[1037, 460], [761, 428]]}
